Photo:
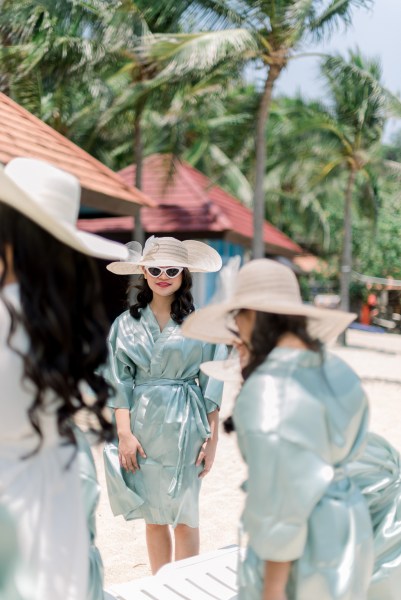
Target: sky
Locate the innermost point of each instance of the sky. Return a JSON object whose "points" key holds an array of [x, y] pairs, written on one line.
{"points": [[375, 32]]}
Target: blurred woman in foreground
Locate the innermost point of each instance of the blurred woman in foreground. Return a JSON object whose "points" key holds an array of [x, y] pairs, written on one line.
{"points": [[301, 417]]}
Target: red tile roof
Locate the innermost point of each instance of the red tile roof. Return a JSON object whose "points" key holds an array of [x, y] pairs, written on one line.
{"points": [[22, 134], [240, 216], [182, 205], [188, 201], [107, 224]]}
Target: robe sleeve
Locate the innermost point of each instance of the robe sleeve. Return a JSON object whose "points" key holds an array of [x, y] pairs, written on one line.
{"points": [[212, 389], [120, 369], [90, 492], [284, 437], [285, 482]]}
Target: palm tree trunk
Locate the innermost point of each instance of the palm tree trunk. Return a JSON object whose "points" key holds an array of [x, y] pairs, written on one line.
{"points": [[258, 246], [346, 262], [5, 42], [139, 234]]}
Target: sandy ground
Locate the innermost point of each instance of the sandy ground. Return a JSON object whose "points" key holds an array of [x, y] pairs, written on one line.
{"points": [[375, 357]]}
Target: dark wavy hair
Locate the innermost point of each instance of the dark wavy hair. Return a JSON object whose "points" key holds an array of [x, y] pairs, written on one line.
{"points": [[181, 307], [64, 319], [267, 331]]}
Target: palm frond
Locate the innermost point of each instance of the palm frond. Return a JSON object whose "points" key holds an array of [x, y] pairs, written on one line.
{"points": [[364, 76], [334, 14], [196, 52], [235, 179]]}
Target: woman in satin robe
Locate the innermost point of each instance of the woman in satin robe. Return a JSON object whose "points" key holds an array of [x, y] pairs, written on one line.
{"points": [[301, 417], [166, 410], [53, 332]]}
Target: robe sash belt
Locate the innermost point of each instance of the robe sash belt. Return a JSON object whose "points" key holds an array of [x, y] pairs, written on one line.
{"points": [[192, 403]]}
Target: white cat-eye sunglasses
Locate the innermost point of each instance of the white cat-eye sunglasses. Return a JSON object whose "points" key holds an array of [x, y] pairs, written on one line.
{"points": [[171, 272]]}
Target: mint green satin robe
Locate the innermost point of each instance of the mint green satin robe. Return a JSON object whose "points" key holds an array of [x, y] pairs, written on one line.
{"points": [[14, 581], [299, 422], [377, 472], [47, 494], [91, 492], [156, 376], [12, 584]]}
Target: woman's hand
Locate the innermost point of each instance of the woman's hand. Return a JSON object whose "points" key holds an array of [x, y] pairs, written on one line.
{"points": [[206, 456], [208, 449], [128, 446]]}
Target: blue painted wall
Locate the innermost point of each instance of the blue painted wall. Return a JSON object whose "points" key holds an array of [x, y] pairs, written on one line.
{"points": [[205, 283]]}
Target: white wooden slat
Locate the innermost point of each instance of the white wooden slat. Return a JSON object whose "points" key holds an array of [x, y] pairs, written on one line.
{"points": [[149, 588], [226, 575], [209, 576]]}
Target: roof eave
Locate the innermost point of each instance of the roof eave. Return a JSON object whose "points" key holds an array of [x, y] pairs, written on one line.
{"points": [[113, 205]]}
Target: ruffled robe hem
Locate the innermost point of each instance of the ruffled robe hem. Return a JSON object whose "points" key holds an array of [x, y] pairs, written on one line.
{"points": [[123, 500]]}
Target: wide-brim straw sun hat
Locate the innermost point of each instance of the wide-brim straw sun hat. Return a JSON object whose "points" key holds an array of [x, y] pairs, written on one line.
{"points": [[228, 370], [267, 286], [50, 197], [196, 256]]}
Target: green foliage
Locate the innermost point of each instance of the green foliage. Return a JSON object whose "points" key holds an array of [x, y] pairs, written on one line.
{"points": [[96, 70], [378, 252]]}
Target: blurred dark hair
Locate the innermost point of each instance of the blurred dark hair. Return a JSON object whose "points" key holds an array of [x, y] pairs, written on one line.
{"points": [[181, 306], [268, 329], [64, 319]]}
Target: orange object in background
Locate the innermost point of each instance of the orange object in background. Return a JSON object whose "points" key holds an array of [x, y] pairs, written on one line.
{"points": [[365, 316]]}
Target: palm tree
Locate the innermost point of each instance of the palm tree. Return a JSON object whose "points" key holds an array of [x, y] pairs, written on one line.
{"points": [[281, 27], [208, 124], [52, 57], [101, 59], [155, 66], [358, 116], [343, 138]]}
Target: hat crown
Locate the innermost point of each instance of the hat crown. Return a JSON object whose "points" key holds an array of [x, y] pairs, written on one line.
{"points": [[165, 251], [268, 282], [54, 190]]}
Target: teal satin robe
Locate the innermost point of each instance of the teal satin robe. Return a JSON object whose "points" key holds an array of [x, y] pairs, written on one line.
{"points": [[91, 492], [14, 581], [48, 495], [156, 376], [377, 472], [300, 421]]}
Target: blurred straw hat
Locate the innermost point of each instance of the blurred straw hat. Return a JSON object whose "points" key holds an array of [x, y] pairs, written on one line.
{"points": [[267, 286], [228, 370], [168, 252], [50, 197]]}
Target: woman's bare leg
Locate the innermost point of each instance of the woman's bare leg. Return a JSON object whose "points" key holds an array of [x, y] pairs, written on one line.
{"points": [[186, 541], [158, 541]]}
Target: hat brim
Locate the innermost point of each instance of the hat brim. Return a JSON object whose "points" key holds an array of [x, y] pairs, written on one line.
{"points": [[130, 268], [87, 243], [127, 268], [228, 370], [210, 323], [202, 259]]}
